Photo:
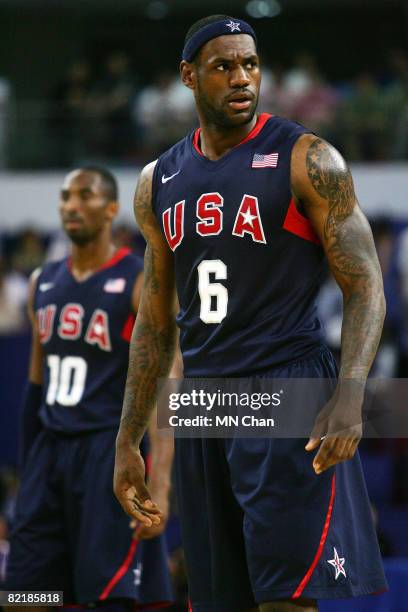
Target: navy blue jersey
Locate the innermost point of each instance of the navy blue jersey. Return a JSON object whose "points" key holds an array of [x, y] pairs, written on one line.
{"points": [[248, 264], [85, 329]]}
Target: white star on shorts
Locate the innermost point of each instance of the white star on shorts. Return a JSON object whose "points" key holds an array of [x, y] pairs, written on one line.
{"points": [[138, 574], [234, 26], [337, 563]]}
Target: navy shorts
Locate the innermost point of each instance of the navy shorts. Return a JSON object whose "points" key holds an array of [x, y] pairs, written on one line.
{"points": [[259, 525], [70, 533]]}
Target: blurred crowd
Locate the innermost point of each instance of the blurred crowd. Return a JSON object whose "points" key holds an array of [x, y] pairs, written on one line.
{"points": [[118, 117], [107, 112]]}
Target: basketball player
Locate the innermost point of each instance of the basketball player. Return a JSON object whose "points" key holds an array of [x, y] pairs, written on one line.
{"points": [[70, 533], [238, 217]]}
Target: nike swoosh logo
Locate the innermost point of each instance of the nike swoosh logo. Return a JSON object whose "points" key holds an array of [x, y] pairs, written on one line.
{"points": [[168, 178], [46, 286]]}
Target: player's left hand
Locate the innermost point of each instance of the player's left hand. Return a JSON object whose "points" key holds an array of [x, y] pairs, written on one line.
{"points": [[338, 427]]}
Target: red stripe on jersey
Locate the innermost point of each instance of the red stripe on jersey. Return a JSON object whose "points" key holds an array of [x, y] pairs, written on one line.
{"points": [[127, 329], [121, 571], [262, 119], [116, 257], [303, 583], [297, 224], [196, 141]]}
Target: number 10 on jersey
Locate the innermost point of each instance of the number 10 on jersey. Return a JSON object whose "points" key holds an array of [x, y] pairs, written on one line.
{"points": [[67, 380]]}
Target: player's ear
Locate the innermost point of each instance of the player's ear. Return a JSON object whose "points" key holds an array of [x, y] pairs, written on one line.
{"points": [[188, 74], [112, 210]]}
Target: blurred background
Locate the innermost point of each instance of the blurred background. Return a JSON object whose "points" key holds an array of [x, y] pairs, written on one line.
{"points": [[97, 81]]}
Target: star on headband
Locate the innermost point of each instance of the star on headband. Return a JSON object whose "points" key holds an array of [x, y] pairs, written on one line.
{"points": [[233, 25]]}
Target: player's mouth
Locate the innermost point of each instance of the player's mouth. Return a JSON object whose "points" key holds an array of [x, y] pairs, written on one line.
{"points": [[73, 223], [240, 100]]}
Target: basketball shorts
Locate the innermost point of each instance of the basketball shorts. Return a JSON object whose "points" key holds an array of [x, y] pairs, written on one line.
{"points": [[70, 534], [259, 525]]}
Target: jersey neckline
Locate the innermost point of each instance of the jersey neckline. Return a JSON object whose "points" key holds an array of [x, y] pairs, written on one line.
{"points": [[261, 121], [118, 255]]}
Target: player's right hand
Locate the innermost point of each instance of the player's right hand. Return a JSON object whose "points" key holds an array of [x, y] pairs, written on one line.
{"points": [[129, 485]]}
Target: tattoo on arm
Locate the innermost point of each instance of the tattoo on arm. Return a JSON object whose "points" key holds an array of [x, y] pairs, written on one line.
{"points": [[153, 339], [352, 257]]}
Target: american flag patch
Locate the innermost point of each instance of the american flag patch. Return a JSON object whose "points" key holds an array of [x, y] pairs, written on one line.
{"points": [[115, 285], [265, 161]]}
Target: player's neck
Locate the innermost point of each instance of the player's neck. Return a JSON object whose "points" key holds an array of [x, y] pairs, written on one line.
{"points": [[87, 259], [216, 141]]}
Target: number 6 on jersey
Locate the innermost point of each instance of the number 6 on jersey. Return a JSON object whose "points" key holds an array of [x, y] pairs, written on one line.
{"points": [[213, 296]]}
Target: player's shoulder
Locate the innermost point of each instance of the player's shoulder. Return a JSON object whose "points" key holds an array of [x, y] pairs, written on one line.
{"points": [[148, 170], [126, 262], [123, 276], [44, 278], [176, 153], [287, 128], [133, 260], [33, 284], [49, 270]]}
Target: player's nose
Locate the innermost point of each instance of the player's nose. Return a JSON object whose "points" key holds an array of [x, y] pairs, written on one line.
{"points": [[239, 77]]}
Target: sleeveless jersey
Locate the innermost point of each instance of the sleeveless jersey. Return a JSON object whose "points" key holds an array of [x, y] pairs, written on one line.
{"points": [[247, 263], [85, 329]]}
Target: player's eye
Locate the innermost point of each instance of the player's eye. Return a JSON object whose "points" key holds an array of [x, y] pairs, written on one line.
{"points": [[86, 194], [64, 195], [222, 67]]}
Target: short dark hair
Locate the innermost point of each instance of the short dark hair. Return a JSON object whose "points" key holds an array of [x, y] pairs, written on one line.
{"points": [[110, 184], [201, 23]]}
